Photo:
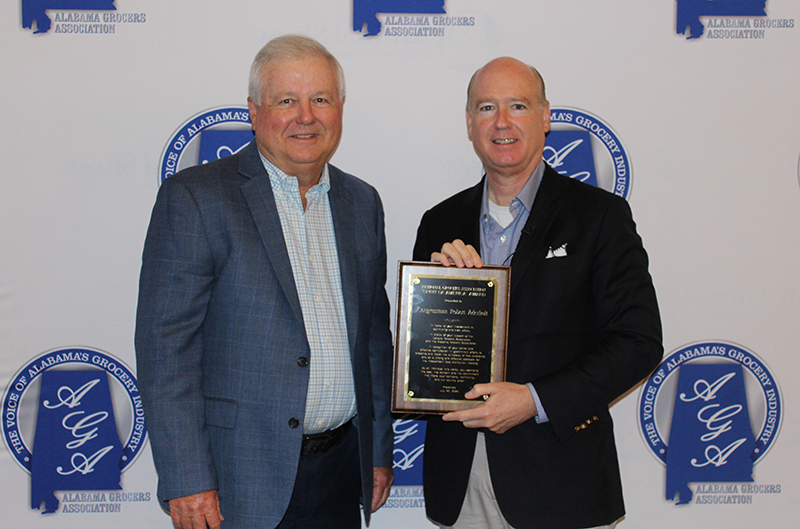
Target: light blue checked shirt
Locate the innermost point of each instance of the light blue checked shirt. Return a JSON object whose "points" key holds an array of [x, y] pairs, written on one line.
{"points": [[311, 243], [499, 242]]}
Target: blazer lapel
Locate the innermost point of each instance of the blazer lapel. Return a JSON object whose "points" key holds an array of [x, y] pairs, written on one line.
{"points": [[545, 206], [470, 215], [258, 193], [342, 209]]}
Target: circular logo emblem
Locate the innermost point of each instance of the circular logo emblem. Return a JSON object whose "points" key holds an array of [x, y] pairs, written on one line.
{"points": [[657, 398], [21, 401], [580, 145], [207, 136]]}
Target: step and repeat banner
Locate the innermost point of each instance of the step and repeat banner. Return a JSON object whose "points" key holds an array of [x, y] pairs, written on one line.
{"points": [[689, 109]]}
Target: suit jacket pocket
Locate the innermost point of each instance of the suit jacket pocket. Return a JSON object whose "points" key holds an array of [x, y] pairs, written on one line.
{"points": [[221, 412], [554, 263]]}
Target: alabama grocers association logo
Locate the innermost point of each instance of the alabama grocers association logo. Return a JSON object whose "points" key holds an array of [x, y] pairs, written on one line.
{"points": [[409, 445], [77, 17], [709, 413], [582, 146], [727, 19], [407, 18], [73, 419], [209, 135]]}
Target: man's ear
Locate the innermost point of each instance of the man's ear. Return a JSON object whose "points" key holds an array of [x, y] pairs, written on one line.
{"points": [[252, 108], [546, 117]]}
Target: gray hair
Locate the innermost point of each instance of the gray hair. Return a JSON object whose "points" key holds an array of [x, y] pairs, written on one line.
{"points": [[541, 94], [290, 47]]}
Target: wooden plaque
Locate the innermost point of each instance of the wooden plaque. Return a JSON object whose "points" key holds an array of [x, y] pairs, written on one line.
{"points": [[450, 335]]}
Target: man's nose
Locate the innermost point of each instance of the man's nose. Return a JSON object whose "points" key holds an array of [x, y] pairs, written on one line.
{"points": [[501, 118], [305, 113]]}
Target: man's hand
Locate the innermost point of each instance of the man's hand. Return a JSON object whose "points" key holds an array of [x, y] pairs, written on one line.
{"points": [[459, 254], [507, 406], [195, 511], [382, 479]]}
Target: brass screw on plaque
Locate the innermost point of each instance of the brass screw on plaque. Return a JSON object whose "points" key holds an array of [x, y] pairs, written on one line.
{"points": [[491, 284], [410, 393], [416, 281]]}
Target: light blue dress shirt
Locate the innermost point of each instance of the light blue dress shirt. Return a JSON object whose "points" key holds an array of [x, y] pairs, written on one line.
{"points": [[311, 244], [498, 242]]}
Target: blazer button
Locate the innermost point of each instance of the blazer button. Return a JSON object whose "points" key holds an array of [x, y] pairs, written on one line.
{"points": [[293, 422], [302, 361]]}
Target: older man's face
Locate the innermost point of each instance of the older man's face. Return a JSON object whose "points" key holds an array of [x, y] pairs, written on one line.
{"points": [[299, 122], [506, 121]]}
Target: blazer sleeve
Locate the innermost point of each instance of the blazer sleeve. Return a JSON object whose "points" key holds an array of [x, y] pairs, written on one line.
{"points": [[380, 351], [628, 342], [175, 287]]}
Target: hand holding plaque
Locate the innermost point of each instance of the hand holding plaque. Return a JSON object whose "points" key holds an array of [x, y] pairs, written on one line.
{"points": [[450, 334]]}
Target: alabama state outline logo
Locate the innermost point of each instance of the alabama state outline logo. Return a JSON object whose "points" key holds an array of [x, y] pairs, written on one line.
{"points": [[73, 419], [209, 135], [709, 413], [582, 146]]}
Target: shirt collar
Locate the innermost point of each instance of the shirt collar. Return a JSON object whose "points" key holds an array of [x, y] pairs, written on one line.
{"points": [[283, 182], [525, 196]]}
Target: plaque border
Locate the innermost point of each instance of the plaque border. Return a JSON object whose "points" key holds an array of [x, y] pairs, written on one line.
{"points": [[401, 403]]}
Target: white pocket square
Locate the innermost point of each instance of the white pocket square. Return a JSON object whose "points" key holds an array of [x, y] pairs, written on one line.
{"points": [[561, 251]]}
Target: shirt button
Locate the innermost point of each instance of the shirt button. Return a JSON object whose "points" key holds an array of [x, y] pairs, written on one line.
{"points": [[293, 422], [502, 238], [302, 361]]}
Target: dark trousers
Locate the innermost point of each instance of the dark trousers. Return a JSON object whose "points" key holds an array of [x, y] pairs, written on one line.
{"points": [[327, 489]]}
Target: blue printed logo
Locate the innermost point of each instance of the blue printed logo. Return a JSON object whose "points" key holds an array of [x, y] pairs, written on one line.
{"points": [[73, 419], [365, 12], [720, 408], [34, 11], [409, 445], [207, 136], [710, 438], [76, 445], [689, 13], [580, 145]]}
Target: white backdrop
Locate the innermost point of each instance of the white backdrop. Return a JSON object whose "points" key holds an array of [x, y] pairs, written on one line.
{"points": [[711, 127]]}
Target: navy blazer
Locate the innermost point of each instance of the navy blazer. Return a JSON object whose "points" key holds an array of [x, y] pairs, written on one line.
{"points": [[220, 333], [584, 328]]}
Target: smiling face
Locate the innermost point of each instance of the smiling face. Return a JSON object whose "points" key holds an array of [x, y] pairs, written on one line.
{"points": [[506, 118], [298, 124]]}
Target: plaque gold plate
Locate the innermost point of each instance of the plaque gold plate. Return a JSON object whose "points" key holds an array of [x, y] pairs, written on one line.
{"points": [[450, 335]]}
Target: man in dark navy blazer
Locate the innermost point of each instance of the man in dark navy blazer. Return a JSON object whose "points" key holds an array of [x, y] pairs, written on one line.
{"points": [[584, 326], [262, 338]]}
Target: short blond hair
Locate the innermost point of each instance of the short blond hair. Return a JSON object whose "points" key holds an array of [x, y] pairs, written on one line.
{"points": [[290, 47]]}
